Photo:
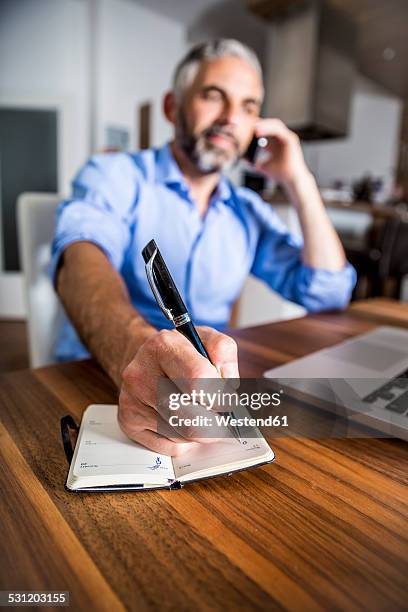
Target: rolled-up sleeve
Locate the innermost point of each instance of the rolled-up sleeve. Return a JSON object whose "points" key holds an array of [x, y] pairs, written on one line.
{"points": [[278, 262], [103, 194]]}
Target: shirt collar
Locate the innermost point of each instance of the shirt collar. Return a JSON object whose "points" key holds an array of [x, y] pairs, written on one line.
{"points": [[167, 169], [168, 172]]}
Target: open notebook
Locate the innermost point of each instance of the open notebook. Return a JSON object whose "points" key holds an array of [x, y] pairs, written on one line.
{"points": [[105, 459]]}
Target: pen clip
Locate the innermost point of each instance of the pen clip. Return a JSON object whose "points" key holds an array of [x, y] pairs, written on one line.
{"points": [[150, 277]]}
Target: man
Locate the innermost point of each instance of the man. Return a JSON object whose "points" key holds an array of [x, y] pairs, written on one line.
{"points": [[210, 233]]}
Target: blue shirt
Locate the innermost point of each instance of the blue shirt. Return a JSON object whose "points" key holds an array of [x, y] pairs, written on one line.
{"points": [[120, 201]]}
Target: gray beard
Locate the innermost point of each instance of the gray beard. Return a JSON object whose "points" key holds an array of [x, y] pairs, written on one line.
{"points": [[206, 157]]}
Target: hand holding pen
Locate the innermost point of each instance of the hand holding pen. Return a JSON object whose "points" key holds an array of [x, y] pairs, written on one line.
{"points": [[153, 355], [170, 302]]}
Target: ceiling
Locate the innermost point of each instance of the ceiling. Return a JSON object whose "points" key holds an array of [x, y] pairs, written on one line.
{"points": [[183, 11], [382, 30], [382, 40], [382, 35]]}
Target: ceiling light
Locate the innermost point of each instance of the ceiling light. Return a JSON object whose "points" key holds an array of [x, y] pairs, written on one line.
{"points": [[388, 54]]}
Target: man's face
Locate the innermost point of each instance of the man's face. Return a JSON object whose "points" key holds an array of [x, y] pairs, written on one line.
{"points": [[215, 120]]}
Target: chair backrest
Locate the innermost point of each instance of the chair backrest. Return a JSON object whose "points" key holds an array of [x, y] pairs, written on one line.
{"points": [[399, 259], [36, 226], [394, 261]]}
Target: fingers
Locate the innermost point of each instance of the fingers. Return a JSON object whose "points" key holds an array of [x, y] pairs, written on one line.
{"points": [[223, 351], [274, 128], [134, 415], [191, 424], [166, 354], [282, 158], [197, 424], [169, 356], [163, 446], [177, 357], [138, 422]]}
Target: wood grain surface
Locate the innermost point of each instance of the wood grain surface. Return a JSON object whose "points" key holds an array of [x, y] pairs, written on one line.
{"points": [[323, 528], [13, 345]]}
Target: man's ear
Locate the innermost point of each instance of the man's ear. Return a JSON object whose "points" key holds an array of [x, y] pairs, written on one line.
{"points": [[169, 107]]}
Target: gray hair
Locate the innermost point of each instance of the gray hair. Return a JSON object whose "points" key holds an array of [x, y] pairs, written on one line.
{"points": [[188, 67]]}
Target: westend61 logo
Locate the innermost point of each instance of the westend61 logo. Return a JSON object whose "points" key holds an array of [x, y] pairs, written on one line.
{"points": [[222, 399]]}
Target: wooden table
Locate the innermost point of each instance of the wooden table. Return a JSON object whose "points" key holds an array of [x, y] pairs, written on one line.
{"points": [[323, 528], [377, 211]]}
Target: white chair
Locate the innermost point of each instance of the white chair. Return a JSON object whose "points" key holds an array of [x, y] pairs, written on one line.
{"points": [[36, 226]]}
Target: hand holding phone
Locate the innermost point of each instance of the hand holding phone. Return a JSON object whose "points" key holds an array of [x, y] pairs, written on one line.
{"points": [[253, 148]]}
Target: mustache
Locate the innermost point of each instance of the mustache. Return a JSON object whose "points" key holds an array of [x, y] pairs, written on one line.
{"points": [[217, 130]]}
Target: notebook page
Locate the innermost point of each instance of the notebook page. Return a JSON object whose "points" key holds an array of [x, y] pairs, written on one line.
{"points": [[217, 455], [105, 450]]}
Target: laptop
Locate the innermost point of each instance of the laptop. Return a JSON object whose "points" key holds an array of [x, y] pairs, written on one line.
{"points": [[366, 376]]}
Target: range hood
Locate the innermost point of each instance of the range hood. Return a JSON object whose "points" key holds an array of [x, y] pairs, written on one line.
{"points": [[309, 71]]}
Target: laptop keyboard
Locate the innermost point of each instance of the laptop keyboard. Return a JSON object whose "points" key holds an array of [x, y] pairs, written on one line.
{"points": [[395, 392]]}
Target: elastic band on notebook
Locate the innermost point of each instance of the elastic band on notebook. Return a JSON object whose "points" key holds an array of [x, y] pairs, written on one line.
{"points": [[67, 424]]}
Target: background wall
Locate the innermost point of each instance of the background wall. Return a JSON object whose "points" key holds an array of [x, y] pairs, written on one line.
{"points": [[137, 50], [96, 59], [372, 143], [44, 62]]}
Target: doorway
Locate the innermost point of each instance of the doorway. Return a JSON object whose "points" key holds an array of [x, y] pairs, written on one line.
{"points": [[28, 162]]}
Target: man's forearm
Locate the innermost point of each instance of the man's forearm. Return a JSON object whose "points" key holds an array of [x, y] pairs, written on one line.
{"points": [[322, 246], [97, 302]]}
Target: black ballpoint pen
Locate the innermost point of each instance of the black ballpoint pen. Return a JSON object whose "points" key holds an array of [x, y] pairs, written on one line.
{"points": [[170, 302]]}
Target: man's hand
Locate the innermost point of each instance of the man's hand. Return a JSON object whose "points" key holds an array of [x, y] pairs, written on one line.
{"points": [[169, 354], [286, 163]]}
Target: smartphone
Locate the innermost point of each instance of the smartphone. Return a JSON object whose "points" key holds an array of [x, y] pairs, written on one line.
{"points": [[253, 148]]}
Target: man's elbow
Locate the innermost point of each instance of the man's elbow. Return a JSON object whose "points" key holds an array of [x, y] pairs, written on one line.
{"points": [[338, 300], [330, 291]]}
